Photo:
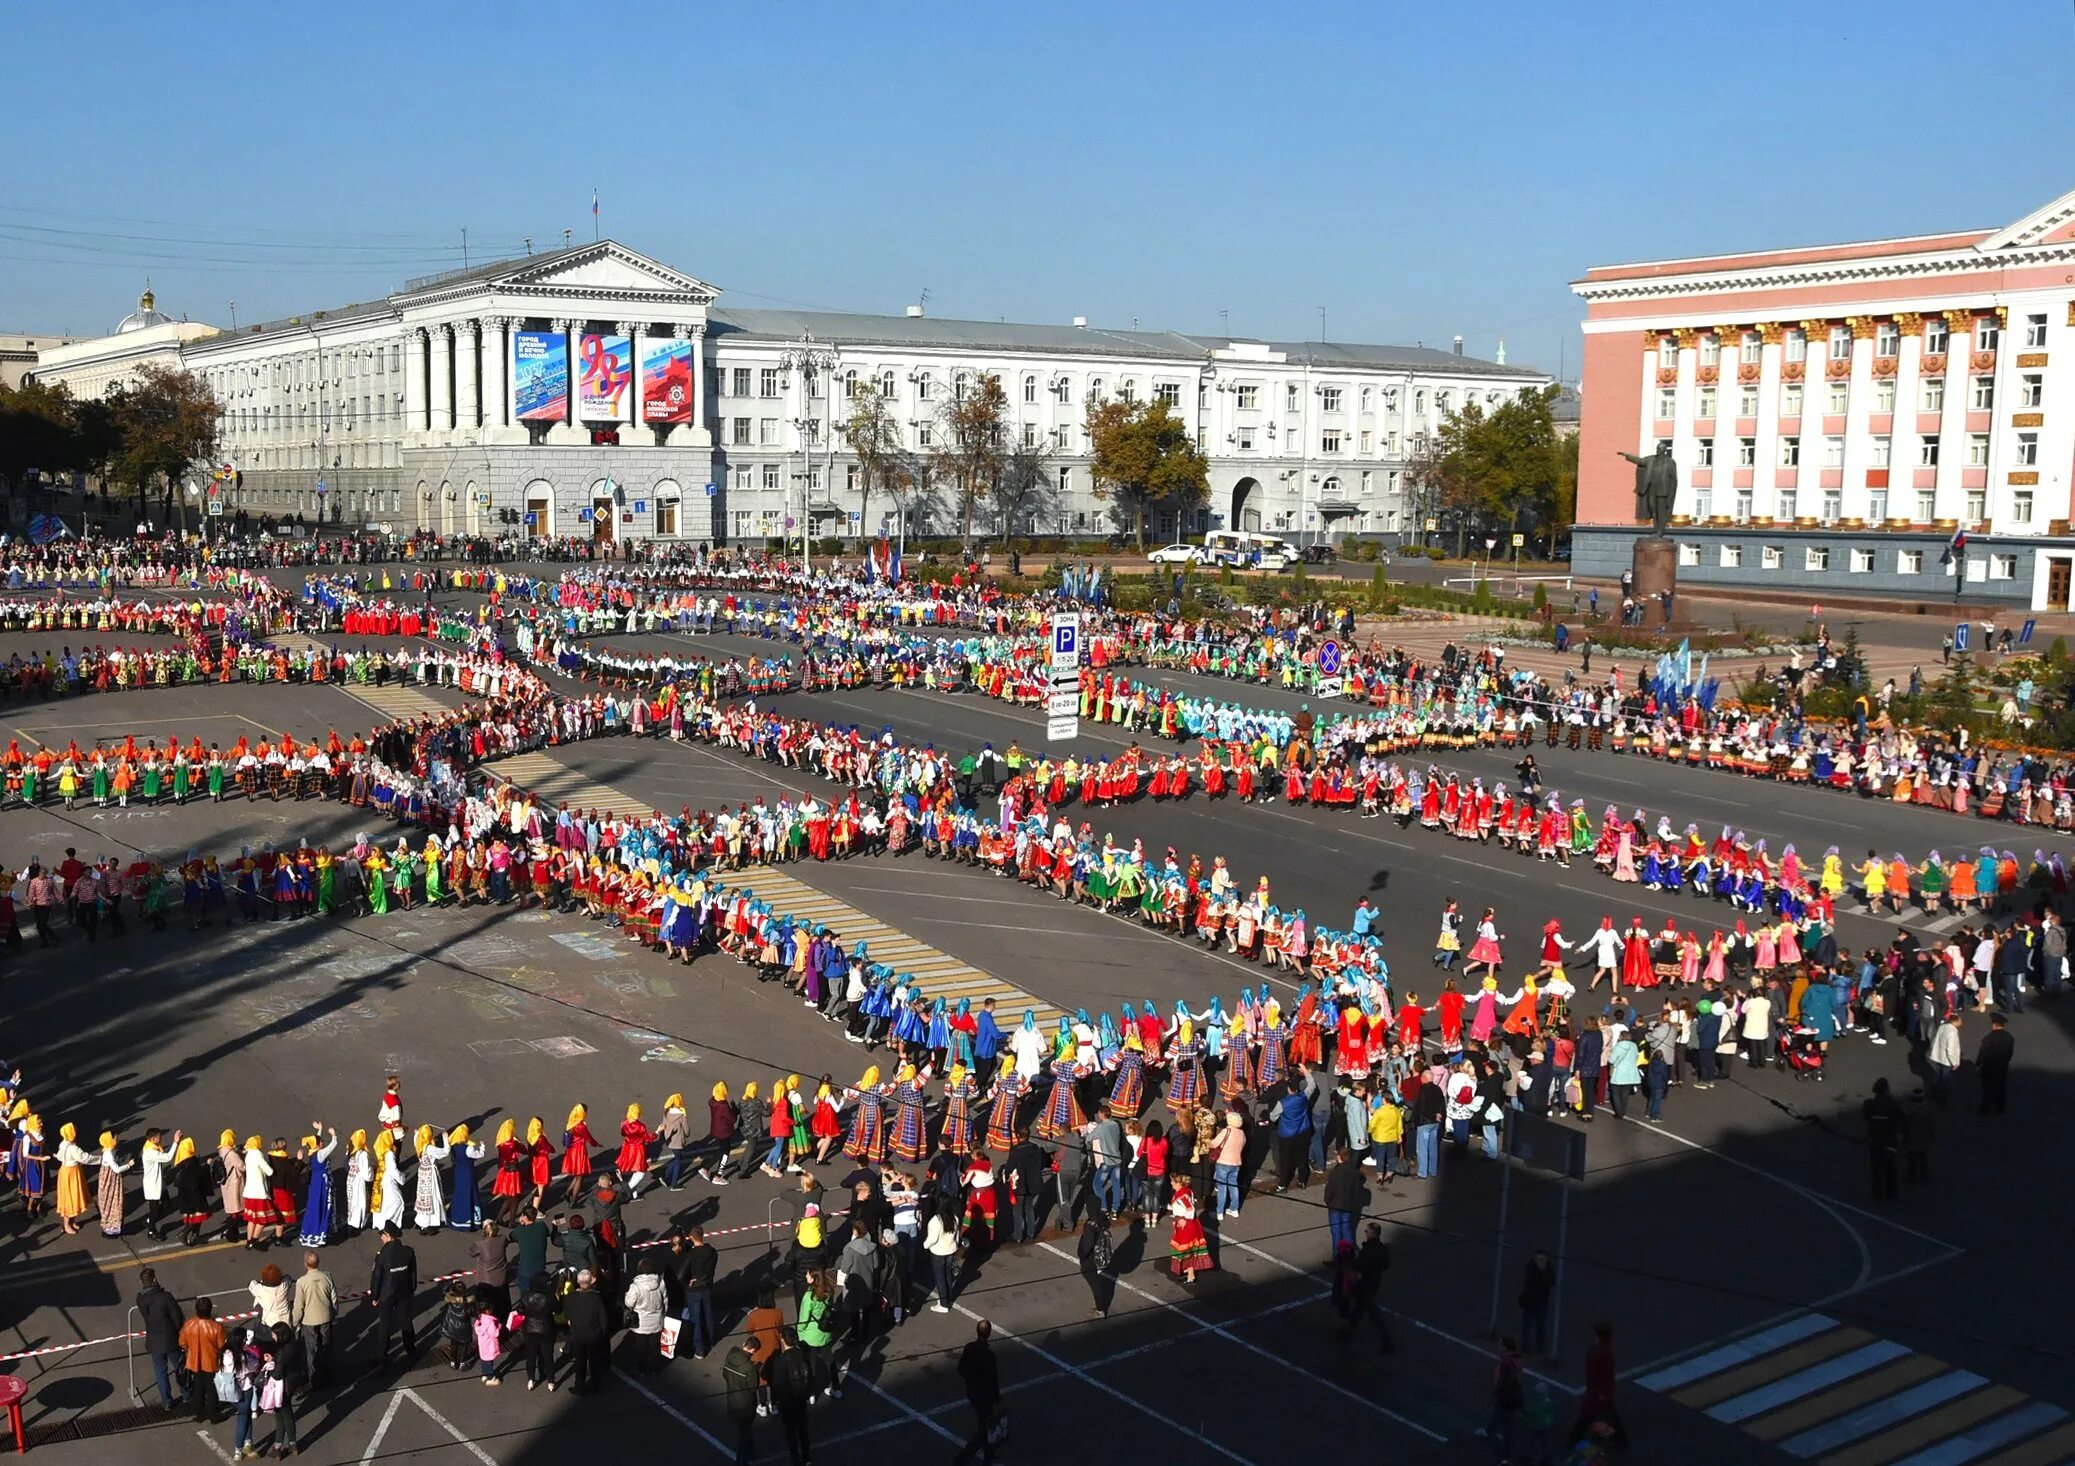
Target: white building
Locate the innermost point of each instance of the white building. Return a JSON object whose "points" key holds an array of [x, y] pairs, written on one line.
{"points": [[595, 391]]}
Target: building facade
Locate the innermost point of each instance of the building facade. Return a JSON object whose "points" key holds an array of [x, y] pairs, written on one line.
{"points": [[1838, 413], [594, 391]]}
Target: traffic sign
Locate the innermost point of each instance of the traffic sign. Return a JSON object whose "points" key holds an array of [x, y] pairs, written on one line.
{"points": [[1063, 702], [1432, 524], [321, 489], [1061, 730], [1066, 640], [2024, 636], [1519, 540], [1960, 637], [712, 488], [641, 506], [1329, 687], [1329, 659], [216, 508]]}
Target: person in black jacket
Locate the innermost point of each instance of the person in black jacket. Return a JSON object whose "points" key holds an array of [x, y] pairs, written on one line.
{"points": [[291, 1366], [1537, 1288], [537, 1310], [1028, 1170], [162, 1320], [982, 1378], [393, 1286], [1370, 1262], [744, 1383], [1098, 1260], [590, 1335], [1344, 1194], [792, 1387]]}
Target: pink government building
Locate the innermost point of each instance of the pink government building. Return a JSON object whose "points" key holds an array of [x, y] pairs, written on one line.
{"points": [[1839, 411]]}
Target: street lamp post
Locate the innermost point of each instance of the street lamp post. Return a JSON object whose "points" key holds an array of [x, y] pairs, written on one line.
{"points": [[809, 361]]}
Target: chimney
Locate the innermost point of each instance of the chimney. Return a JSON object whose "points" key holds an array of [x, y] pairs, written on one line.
{"points": [[1080, 323], [1458, 346], [914, 312]]}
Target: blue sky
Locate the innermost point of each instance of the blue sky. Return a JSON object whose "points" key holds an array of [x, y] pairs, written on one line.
{"points": [[1418, 171]]}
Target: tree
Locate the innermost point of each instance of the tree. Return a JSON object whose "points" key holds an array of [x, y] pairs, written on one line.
{"points": [[874, 435], [39, 428], [1440, 475], [1142, 456], [1503, 468], [970, 456], [1024, 486], [168, 421]]}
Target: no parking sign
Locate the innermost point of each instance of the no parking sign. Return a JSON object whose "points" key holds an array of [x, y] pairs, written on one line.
{"points": [[1329, 659]]}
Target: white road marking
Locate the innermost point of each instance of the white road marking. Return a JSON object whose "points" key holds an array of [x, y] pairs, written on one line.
{"points": [[381, 1429], [460, 1436], [908, 1410], [209, 1440], [621, 1377]]}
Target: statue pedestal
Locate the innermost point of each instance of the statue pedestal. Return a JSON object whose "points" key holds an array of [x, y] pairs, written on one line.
{"points": [[1656, 570]]}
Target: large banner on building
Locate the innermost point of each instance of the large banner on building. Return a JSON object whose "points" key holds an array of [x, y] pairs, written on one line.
{"points": [[666, 382], [605, 373], [540, 375]]}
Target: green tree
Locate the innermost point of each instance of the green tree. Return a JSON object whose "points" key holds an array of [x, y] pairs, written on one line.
{"points": [[874, 435], [1142, 456], [168, 423], [1023, 487], [39, 429], [1503, 468], [970, 456]]}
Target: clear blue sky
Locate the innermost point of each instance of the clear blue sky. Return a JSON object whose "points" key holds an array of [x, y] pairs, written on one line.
{"points": [[1418, 171]]}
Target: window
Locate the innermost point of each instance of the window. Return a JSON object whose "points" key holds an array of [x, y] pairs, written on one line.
{"points": [[1030, 435], [1667, 351], [741, 432], [1095, 388], [1706, 456], [1833, 505], [1985, 334], [1329, 399], [767, 382], [1246, 440], [1862, 562], [2002, 567], [1710, 351], [1790, 400], [1441, 403], [1128, 390], [1059, 440], [1368, 443], [770, 475], [2035, 332], [1877, 506], [1977, 450], [666, 516], [1769, 557], [850, 384], [1703, 504], [1833, 452], [1816, 557], [1933, 394], [1840, 342], [1887, 339], [923, 386], [1927, 451], [1743, 506], [1292, 397], [1746, 452], [925, 436], [1883, 451], [2031, 389], [741, 382], [1794, 347], [1790, 451], [962, 383], [1751, 348], [1926, 505], [1788, 502], [1984, 395], [767, 430], [1704, 404], [1066, 484], [1884, 395], [1249, 398], [850, 477], [1909, 562], [2021, 507], [1329, 443], [1747, 402], [1689, 554], [1936, 336], [2027, 450], [886, 385], [1977, 505], [1839, 398], [1667, 403], [1368, 482], [1730, 557], [1169, 393], [1419, 404], [1030, 389], [396, 358]]}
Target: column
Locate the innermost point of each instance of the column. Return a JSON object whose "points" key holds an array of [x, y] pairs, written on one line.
{"points": [[442, 379], [507, 330], [564, 429], [1765, 469], [468, 379], [1952, 429], [1858, 403], [632, 331], [414, 381], [1902, 435], [699, 380], [1685, 446]]}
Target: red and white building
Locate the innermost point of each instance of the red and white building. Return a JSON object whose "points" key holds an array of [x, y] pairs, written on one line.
{"points": [[1838, 411]]}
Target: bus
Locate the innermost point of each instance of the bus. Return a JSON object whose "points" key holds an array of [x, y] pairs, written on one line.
{"points": [[1248, 549]]}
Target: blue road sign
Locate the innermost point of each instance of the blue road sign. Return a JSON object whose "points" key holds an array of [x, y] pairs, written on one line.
{"points": [[1329, 659], [1065, 641], [2024, 637], [1960, 637], [711, 488]]}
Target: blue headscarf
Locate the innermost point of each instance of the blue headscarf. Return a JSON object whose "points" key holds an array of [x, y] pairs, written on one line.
{"points": [[1029, 1021]]}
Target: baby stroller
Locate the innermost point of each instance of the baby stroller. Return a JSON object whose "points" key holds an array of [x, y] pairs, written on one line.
{"points": [[1802, 1052]]}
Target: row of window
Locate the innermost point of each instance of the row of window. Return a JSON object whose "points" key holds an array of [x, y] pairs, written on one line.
{"points": [[2024, 452], [1817, 558], [1787, 505], [305, 417], [2031, 393], [1887, 341], [336, 365]]}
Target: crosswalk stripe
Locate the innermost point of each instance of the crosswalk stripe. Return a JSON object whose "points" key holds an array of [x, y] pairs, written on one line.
{"points": [[1805, 1382], [1910, 1434], [1867, 1388], [1882, 1414], [1768, 1367], [1742, 1351], [2052, 1449]]}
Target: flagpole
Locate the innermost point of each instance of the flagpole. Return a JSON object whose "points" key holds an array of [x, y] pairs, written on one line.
{"points": [[594, 216]]}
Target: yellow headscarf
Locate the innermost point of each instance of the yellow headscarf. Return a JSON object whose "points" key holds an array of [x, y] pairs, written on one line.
{"points": [[792, 1083], [458, 1135], [185, 1151], [1491, 984], [905, 1074], [108, 1140], [634, 1112], [228, 1140], [1272, 1014], [576, 1117], [356, 1142], [21, 1108], [507, 1130], [957, 1074], [384, 1144], [675, 1102], [822, 1090], [749, 1090], [870, 1079], [535, 1128], [720, 1092], [1187, 1033], [68, 1131], [34, 1125], [422, 1139]]}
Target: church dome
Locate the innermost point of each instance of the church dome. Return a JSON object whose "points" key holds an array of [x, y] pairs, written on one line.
{"points": [[144, 316]]}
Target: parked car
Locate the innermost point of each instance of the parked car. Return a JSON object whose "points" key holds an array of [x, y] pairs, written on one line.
{"points": [[1320, 554], [1176, 554]]}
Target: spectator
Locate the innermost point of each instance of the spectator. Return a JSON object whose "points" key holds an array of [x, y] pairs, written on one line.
{"points": [[163, 1326]]}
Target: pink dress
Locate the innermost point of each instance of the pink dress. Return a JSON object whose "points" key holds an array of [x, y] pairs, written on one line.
{"points": [[1790, 949], [1689, 963], [1486, 947], [1768, 956], [1624, 858], [1717, 969], [1487, 1017]]}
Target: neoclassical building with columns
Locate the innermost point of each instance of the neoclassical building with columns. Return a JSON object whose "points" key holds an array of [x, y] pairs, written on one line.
{"points": [[594, 391], [1840, 412]]}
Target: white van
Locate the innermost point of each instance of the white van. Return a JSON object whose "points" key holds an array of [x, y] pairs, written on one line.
{"points": [[1248, 549]]}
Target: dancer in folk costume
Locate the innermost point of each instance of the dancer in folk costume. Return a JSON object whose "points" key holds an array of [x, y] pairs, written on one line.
{"points": [[1185, 1069], [1270, 1069], [108, 1188], [577, 1142], [1128, 1092], [1189, 1248], [319, 1222], [387, 1198], [956, 1135], [1009, 1089], [360, 1182], [429, 1202], [631, 1164], [510, 1183], [464, 1198], [540, 1159], [867, 1140], [908, 1138], [1062, 1113], [1306, 1043]]}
